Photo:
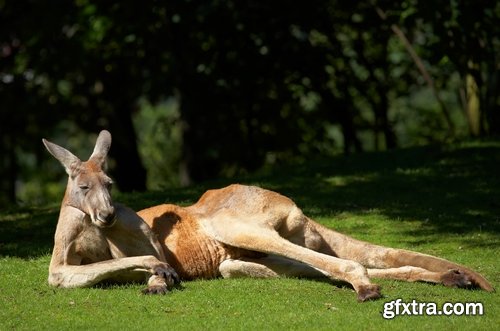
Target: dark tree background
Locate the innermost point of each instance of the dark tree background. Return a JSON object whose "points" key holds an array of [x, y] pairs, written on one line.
{"points": [[254, 81]]}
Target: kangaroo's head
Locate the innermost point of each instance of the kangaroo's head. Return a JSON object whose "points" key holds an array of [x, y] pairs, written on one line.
{"points": [[88, 186]]}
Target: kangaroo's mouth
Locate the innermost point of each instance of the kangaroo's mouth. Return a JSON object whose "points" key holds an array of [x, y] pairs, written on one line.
{"points": [[103, 222]]}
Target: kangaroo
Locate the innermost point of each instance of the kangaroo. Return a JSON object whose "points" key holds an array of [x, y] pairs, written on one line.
{"points": [[236, 231], [97, 240]]}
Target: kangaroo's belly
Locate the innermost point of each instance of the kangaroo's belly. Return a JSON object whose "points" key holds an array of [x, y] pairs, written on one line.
{"points": [[187, 248], [193, 255]]}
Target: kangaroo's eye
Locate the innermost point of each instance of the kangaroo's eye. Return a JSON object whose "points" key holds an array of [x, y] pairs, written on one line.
{"points": [[84, 187]]}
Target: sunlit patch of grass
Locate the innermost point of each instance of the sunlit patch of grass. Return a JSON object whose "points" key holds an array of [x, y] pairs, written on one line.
{"points": [[346, 180]]}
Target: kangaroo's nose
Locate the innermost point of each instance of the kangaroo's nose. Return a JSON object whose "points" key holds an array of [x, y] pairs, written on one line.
{"points": [[109, 217]]}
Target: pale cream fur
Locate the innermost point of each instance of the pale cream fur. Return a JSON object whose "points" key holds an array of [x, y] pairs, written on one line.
{"points": [[236, 231]]}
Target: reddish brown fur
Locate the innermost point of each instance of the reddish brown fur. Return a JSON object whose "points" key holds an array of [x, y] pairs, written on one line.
{"points": [[197, 253]]}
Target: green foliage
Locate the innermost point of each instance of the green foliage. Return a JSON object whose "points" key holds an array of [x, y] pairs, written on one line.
{"points": [[253, 82], [159, 134], [437, 200]]}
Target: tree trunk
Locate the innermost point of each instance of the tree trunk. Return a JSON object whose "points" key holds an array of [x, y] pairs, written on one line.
{"points": [[129, 173], [340, 113], [472, 106], [383, 122], [491, 106], [8, 171]]}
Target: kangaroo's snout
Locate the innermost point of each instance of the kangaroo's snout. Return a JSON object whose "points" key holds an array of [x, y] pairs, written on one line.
{"points": [[107, 217]]}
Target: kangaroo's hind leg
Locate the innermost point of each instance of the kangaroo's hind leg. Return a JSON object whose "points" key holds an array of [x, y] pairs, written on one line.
{"points": [[262, 236], [384, 262], [271, 266]]}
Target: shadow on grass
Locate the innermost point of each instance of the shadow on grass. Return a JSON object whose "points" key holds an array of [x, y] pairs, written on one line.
{"points": [[450, 189], [455, 190], [27, 232]]}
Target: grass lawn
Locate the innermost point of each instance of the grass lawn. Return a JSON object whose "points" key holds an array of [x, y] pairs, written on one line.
{"points": [[443, 201]]}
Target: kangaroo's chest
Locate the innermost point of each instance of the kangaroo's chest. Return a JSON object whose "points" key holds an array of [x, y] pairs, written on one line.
{"points": [[91, 246]]}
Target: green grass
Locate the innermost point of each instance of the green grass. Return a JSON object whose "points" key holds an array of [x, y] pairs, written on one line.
{"points": [[443, 201]]}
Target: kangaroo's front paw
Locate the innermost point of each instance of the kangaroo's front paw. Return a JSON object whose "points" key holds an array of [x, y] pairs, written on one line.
{"points": [[167, 273], [156, 289]]}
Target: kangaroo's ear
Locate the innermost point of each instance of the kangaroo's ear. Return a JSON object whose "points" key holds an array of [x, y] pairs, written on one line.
{"points": [[69, 161], [102, 146]]}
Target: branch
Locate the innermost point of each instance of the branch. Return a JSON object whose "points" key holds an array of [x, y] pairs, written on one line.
{"points": [[421, 67]]}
